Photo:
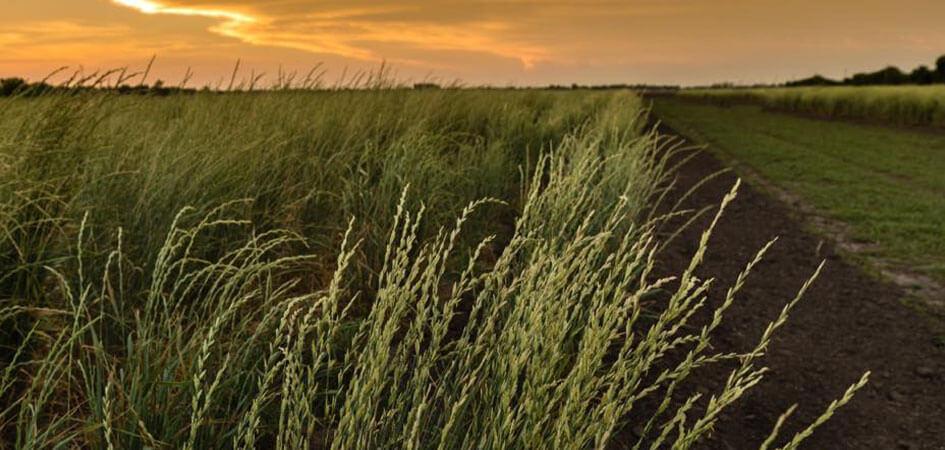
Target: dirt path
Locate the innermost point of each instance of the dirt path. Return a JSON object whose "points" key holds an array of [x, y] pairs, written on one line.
{"points": [[847, 324]]}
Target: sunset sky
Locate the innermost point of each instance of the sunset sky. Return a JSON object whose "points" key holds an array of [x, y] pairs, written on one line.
{"points": [[520, 42]]}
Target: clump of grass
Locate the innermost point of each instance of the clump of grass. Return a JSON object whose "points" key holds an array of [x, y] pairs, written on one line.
{"points": [[425, 329]]}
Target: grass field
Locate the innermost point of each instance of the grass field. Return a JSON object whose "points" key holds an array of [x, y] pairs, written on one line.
{"points": [[348, 269], [922, 106], [887, 184]]}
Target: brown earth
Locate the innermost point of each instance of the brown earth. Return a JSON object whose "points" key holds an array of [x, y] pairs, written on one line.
{"points": [[847, 324]]}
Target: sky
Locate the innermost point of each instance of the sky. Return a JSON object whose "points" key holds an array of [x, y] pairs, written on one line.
{"points": [[511, 42]]}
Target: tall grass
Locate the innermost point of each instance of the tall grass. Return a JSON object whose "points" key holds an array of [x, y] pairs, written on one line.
{"points": [[896, 105], [377, 269]]}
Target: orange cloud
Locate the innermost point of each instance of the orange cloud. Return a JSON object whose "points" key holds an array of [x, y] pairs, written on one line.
{"points": [[57, 38], [350, 32]]}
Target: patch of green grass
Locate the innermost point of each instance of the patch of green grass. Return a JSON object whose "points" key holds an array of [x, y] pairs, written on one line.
{"points": [[887, 184]]}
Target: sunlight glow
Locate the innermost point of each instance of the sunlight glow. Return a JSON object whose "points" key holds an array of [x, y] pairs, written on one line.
{"points": [[152, 7], [246, 28]]}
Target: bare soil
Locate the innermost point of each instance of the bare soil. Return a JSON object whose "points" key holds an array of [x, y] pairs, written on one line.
{"points": [[849, 322]]}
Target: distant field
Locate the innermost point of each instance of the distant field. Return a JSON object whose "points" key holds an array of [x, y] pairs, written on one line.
{"points": [[887, 184], [895, 105]]}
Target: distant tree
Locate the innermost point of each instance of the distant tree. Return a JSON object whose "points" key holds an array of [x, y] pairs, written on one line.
{"points": [[425, 86], [816, 80], [889, 75], [892, 75], [10, 86], [922, 75], [940, 69]]}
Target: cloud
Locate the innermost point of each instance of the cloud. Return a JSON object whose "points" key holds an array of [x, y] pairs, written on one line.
{"points": [[49, 39], [529, 32], [57, 31], [353, 32]]}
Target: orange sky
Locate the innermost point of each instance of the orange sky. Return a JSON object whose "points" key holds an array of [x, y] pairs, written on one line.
{"points": [[524, 42]]}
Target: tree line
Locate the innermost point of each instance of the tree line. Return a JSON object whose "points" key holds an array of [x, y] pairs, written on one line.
{"points": [[889, 75], [20, 87]]}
